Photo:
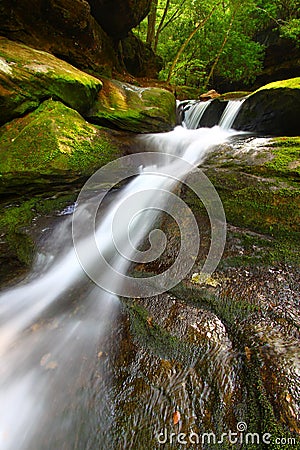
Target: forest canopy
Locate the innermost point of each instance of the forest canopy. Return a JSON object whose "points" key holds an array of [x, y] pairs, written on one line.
{"points": [[201, 40]]}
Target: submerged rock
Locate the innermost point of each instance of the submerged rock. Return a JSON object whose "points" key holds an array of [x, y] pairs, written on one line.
{"points": [[273, 109], [28, 76], [52, 145], [253, 296], [127, 107]]}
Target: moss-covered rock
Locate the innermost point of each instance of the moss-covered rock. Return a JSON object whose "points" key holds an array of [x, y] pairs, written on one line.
{"points": [[53, 144], [16, 218], [127, 107], [258, 183], [29, 76], [273, 109]]}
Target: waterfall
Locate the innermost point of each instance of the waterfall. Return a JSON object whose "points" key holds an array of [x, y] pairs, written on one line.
{"points": [[193, 115], [230, 113], [54, 317]]}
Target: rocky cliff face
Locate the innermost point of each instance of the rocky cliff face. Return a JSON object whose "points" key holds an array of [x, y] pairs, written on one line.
{"points": [[117, 18], [282, 57], [84, 33]]}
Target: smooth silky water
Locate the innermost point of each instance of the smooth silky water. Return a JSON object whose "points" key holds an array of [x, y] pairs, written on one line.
{"points": [[56, 321]]}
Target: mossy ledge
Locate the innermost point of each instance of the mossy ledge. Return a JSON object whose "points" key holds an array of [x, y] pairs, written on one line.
{"points": [[28, 76], [273, 109], [16, 218], [51, 143], [130, 108]]}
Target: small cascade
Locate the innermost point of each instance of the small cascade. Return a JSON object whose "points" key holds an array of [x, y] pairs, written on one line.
{"points": [[193, 115], [53, 323], [229, 115]]}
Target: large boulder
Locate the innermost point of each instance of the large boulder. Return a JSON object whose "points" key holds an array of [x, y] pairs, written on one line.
{"points": [[64, 28], [29, 76], [53, 145], [130, 108], [273, 109], [245, 309], [119, 17], [139, 58]]}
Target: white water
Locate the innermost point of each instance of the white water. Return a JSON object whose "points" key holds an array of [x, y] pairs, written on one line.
{"points": [[194, 114], [55, 317], [230, 113]]}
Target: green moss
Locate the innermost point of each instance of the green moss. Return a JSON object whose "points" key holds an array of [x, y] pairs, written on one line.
{"points": [[155, 337], [292, 83], [53, 139], [15, 218], [134, 109], [30, 76], [269, 209], [263, 205], [287, 156]]}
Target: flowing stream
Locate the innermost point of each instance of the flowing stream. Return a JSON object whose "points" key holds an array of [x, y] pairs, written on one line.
{"points": [[53, 322]]}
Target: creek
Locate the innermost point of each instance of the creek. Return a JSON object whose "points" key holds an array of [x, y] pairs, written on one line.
{"points": [[65, 366]]}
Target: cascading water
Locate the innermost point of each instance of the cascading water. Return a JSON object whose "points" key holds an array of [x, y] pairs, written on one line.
{"points": [[230, 113], [194, 113], [57, 315]]}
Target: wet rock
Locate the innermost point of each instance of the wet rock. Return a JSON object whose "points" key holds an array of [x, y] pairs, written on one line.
{"points": [[273, 109], [181, 360], [29, 76], [213, 113], [54, 145], [127, 107], [209, 95], [256, 182]]}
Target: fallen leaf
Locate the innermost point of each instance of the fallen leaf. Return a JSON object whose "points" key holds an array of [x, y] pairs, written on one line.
{"points": [[150, 321], [248, 353], [176, 417]]}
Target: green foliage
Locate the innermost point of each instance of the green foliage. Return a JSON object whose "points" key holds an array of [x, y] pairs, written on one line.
{"points": [[291, 30], [225, 46]]}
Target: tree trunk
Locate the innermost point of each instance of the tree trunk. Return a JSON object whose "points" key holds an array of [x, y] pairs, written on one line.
{"points": [[161, 23], [190, 37], [151, 23], [218, 56]]}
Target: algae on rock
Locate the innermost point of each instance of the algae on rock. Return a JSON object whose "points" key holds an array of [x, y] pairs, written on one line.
{"points": [[273, 109], [29, 76], [127, 107], [53, 144]]}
